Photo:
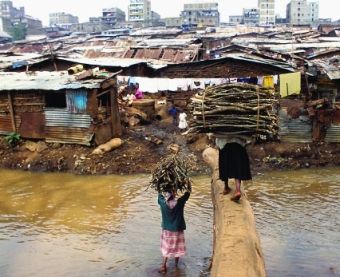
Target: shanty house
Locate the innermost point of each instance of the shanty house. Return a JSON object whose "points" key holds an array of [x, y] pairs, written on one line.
{"points": [[59, 107]]}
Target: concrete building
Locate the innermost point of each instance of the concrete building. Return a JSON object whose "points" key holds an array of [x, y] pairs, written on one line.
{"points": [[173, 21], [33, 25], [63, 20], [140, 11], [156, 20], [112, 17], [201, 14], [302, 12], [266, 12], [89, 27], [251, 16], [5, 24], [236, 19], [313, 12], [8, 11]]}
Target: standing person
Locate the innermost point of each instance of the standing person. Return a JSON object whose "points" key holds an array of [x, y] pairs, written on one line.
{"points": [[139, 93], [173, 112], [173, 226], [233, 162], [182, 121]]}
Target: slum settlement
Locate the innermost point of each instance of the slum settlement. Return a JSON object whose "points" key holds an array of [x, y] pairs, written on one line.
{"points": [[63, 99]]}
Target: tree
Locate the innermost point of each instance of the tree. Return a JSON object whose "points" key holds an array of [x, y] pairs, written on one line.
{"points": [[18, 31]]}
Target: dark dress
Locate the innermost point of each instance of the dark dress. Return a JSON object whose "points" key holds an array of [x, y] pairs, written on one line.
{"points": [[233, 162]]}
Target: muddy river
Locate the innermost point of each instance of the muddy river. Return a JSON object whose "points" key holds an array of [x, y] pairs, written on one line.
{"points": [[66, 225]]}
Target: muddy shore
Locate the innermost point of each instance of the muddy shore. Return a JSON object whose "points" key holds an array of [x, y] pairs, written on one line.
{"points": [[140, 154]]}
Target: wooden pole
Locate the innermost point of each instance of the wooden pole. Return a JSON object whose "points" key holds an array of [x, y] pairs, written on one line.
{"points": [[52, 57], [115, 116], [11, 111]]}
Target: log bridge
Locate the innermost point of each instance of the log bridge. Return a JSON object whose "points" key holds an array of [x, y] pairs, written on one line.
{"points": [[236, 244]]}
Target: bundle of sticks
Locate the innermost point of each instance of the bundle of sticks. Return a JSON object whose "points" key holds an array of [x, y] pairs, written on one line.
{"points": [[235, 109], [171, 174]]}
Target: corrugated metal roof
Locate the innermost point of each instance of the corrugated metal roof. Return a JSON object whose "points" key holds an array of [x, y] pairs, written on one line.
{"points": [[167, 42], [256, 59], [114, 62], [7, 61], [43, 80]]}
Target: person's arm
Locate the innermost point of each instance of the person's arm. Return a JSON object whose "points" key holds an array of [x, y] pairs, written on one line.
{"points": [[184, 198], [160, 198]]}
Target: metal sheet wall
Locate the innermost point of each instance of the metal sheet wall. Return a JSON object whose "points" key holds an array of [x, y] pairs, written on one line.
{"points": [[294, 130], [63, 118], [333, 133]]}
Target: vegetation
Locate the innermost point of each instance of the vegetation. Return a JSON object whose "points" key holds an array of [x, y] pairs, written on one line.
{"points": [[18, 31], [13, 139]]}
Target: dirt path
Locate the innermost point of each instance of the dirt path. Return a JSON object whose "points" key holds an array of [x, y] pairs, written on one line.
{"points": [[139, 154]]}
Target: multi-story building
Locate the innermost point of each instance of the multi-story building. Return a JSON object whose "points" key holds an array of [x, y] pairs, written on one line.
{"points": [[140, 11], [301, 12], [251, 16], [313, 12], [112, 16], [12, 16], [33, 25], [63, 20], [266, 12], [173, 21], [201, 14], [236, 19], [8, 11]]}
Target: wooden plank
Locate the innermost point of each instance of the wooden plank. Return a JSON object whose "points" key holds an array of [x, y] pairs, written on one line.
{"points": [[11, 111], [115, 116]]}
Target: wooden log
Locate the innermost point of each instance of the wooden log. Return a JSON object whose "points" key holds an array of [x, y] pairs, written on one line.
{"points": [[236, 244]]}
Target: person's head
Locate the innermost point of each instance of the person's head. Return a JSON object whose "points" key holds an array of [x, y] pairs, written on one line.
{"points": [[169, 195]]}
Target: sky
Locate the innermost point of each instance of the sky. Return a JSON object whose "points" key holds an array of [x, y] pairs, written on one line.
{"points": [[166, 8]]}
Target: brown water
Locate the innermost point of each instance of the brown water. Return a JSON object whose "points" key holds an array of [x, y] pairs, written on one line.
{"points": [[298, 218], [66, 225]]}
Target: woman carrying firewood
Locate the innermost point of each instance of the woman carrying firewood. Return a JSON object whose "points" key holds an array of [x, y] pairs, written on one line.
{"points": [[173, 226], [233, 162]]}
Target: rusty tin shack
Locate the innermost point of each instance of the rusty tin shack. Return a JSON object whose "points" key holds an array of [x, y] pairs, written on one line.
{"points": [[59, 107]]}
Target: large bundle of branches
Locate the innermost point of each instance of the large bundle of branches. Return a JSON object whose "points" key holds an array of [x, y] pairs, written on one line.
{"points": [[235, 109], [171, 174]]}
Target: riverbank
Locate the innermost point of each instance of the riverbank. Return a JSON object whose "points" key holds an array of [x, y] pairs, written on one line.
{"points": [[144, 145]]}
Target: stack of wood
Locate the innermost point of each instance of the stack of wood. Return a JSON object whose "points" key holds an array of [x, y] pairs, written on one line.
{"points": [[235, 109], [171, 174]]}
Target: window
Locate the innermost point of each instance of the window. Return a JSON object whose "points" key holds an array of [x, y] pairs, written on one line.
{"points": [[55, 100]]}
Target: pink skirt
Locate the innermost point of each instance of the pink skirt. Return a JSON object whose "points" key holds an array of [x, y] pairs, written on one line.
{"points": [[172, 244]]}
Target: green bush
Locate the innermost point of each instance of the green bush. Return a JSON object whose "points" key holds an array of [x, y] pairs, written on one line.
{"points": [[12, 139]]}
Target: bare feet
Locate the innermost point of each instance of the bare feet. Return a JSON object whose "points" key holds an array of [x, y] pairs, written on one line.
{"points": [[236, 197], [162, 269], [176, 261], [226, 191]]}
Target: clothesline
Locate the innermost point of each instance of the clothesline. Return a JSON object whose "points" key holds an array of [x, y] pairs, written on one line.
{"points": [[154, 85]]}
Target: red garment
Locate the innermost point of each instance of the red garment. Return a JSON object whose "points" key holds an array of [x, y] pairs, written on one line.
{"points": [[172, 244]]}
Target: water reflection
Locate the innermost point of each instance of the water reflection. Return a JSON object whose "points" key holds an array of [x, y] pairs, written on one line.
{"points": [[297, 215], [65, 225]]}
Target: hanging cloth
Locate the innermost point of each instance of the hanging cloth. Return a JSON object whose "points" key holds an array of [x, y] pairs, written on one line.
{"points": [[290, 83], [268, 82]]}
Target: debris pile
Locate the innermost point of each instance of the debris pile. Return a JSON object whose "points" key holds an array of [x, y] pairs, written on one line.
{"points": [[171, 174], [235, 109]]}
